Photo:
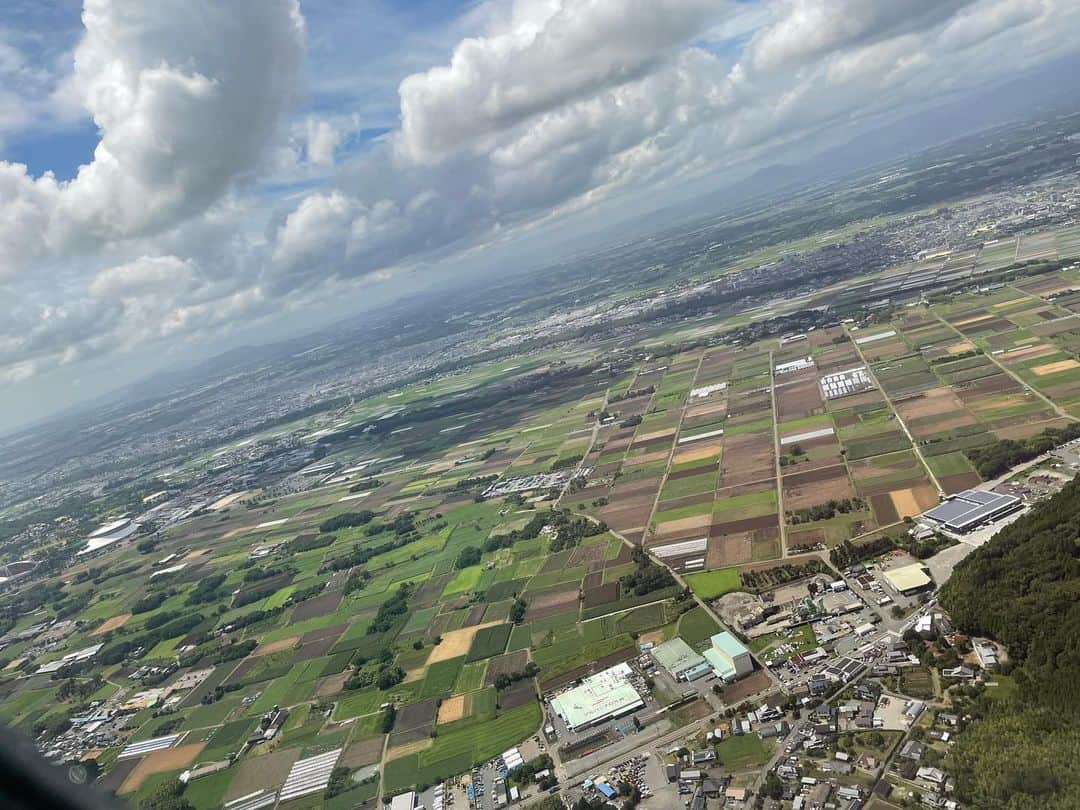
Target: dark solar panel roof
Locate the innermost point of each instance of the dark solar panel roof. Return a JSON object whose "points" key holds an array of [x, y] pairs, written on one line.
{"points": [[970, 507]]}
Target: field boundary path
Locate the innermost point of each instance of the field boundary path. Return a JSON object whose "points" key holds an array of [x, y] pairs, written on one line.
{"points": [[899, 419]]}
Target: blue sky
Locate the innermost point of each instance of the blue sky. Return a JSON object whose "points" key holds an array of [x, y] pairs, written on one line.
{"points": [[178, 175]]}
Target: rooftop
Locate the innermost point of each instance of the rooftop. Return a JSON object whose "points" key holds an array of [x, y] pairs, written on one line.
{"points": [[600, 696], [726, 643], [676, 656], [908, 577]]}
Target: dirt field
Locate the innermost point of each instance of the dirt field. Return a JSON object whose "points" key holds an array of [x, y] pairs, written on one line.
{"points": [[475, 615], [276, 646], [697, 452], [455, 643], [359, 754], [111, 624], [747, 458], [684, 524], [170, 759], [904, 503], [803, 490], [959, 482], [601, 595], [932, 402], [1054, 368], [451, 709], [729, 550], [549, 603], [266, 771], [331, 685], [318, 606]]}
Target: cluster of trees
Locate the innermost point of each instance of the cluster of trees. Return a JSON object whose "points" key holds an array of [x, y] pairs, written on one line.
{"points": [[207, 589], [647, 576], [470, 555], [848, 553], [169, 796], [825, 511], [503, 680], [637, 392], [1021, 589], [365, 485], [308, 542], [780, 574], [395, 606], [571, 529], [566, 462], [148, 602], [525, 773], [117, 651], [478, 482], [260, 574], [347, 520], [994, 459], [517, 610]]}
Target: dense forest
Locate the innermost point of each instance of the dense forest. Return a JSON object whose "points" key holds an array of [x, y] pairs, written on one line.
{"points": [[1023, 589], [1001, 456]]}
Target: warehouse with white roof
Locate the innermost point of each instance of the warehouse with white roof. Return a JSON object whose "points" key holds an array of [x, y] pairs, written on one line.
{"points": [[603, 696]]}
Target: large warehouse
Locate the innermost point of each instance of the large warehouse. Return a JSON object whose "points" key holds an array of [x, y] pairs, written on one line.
{"points": [[680, 660], [908, 579], [728, 658], [970, 509], [603, 696]]}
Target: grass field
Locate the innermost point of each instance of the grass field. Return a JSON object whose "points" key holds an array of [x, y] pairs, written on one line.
{"points": [[489, 641], [441, 677], [742, 752], [456, 749], [696, 626], [711, 584]]}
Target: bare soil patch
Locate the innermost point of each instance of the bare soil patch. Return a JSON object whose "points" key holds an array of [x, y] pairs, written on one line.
{"points": [[365, 752], [550, 603], [276, 646], [521, 693], [475, 615], [744, 525], [170, 759], [959, 482], [601, 595], [505, 664], [111, 624], [317, 606], [697, 451], [729, 550], [451, 709], [455, 643]]}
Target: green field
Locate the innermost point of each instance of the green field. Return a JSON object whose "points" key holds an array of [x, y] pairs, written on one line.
{"points": [[711, 584]]}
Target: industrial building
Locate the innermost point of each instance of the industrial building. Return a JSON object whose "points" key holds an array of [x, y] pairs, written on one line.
{"points": [[728, 658], [970, 509], [908, 579], [603, 696], [680, 660]]}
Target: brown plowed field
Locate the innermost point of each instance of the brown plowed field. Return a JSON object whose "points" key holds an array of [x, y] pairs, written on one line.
{"points": [[505, 664], [816, 486], [474, 616], [959, 482], [601, 595], [730, 550], [744, 525], [548, 604], [318, 606], [690, 473]]}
